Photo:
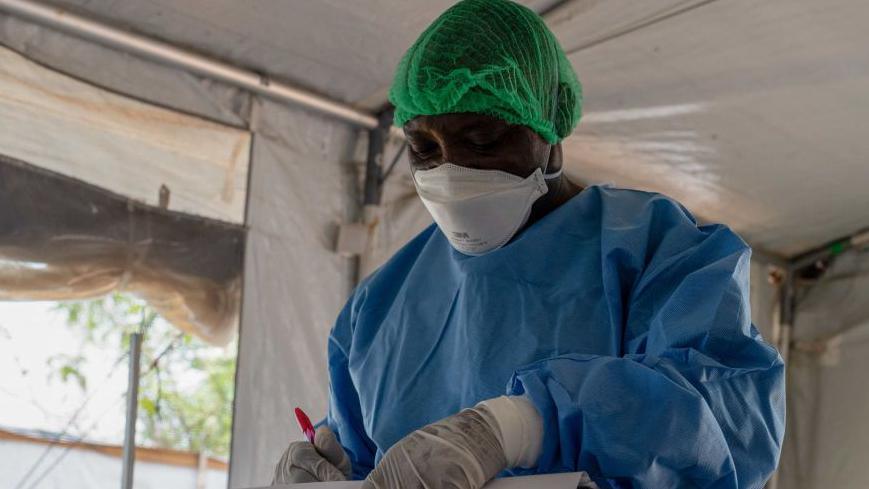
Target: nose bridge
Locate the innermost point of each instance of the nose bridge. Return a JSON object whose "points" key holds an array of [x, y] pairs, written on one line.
{"points": [[446, 153], [446, 147], [450, 144], [453, 151]]}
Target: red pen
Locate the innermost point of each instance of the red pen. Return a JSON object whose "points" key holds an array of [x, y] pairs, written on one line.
{"points": [[305, 424]]}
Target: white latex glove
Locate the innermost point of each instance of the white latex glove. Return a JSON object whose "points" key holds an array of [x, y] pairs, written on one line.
{"points": [[324, 461], [462, 451]]}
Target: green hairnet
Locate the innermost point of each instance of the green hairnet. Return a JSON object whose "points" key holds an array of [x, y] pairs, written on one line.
{"points": [[492, 57]]}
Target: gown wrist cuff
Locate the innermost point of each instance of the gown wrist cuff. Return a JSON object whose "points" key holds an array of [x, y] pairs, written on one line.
{"points": [[518, 426]]}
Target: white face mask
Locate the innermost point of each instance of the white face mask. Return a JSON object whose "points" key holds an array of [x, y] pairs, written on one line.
{"points": [[479, 210]]}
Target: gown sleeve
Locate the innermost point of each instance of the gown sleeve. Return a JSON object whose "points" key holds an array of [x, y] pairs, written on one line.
{"points": [[345, 416], [696, 398]]}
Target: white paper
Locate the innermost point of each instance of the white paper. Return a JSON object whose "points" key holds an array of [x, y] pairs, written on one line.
{"points": [[548, 481]]}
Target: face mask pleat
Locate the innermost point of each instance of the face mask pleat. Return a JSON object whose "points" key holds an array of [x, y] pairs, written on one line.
{"points": [[478, 210]]}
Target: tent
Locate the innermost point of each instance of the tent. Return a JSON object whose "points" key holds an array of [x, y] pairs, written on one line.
{"points": [[267, 120]]}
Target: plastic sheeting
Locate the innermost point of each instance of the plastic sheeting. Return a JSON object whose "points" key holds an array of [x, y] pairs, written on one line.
{"points": [[131, 76], [126, 146], [344, 49], [749, 113], [62, 239], [157, 84], [827, 436]]}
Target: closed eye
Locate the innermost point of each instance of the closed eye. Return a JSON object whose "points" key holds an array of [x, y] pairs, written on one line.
{"points": [[483, 141], [423, 148], [483, 147]]}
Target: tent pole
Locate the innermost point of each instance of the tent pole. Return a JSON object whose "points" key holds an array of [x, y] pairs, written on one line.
{"points": [[377, 139], [787, 298], [132, 405], [787, 308], [783, 320], [172, 55]]}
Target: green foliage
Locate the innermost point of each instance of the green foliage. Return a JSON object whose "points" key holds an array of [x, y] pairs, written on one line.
{"points": [[192, 419], [69, 368], [186, 386]]}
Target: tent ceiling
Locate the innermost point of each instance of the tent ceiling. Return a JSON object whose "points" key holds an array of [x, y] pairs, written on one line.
{"points": [[345, 50], [749, 112]]}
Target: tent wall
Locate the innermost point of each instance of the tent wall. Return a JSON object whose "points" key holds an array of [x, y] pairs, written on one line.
{"points": [[62, 239], [294, 283], [763, 299], [121, 144], [132, 76], [399, 217], [748, 112], [827, 436], [302, 185]]}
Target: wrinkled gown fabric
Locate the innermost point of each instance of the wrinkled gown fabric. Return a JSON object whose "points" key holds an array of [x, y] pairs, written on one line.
{"points": [[624, 321]]}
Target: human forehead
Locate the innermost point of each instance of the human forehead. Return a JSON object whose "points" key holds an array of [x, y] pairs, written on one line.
{"points": [[462, 122]]}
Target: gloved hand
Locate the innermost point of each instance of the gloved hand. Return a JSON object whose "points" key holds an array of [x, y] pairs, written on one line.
{"points": [[323, 461], [462, 451]]}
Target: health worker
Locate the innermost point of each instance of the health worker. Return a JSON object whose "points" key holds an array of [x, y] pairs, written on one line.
{"points": [[538, 326]]}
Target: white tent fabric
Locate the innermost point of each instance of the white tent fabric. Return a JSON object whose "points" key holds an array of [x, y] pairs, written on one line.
{"points": [[302, 166], [120, 144], [750, 113], [828, 403], [294, 283], [344, 49], [131, 76], [747, 112]]}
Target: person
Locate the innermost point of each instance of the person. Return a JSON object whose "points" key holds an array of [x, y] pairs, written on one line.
{"points": [[538, 326]]}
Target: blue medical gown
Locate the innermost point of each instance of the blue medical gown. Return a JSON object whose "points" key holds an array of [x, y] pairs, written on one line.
{"points": [[626, 323]]}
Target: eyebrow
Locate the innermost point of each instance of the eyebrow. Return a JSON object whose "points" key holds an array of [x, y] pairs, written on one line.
{"points": [[416, 133], [478, 127], [485, 130]]}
